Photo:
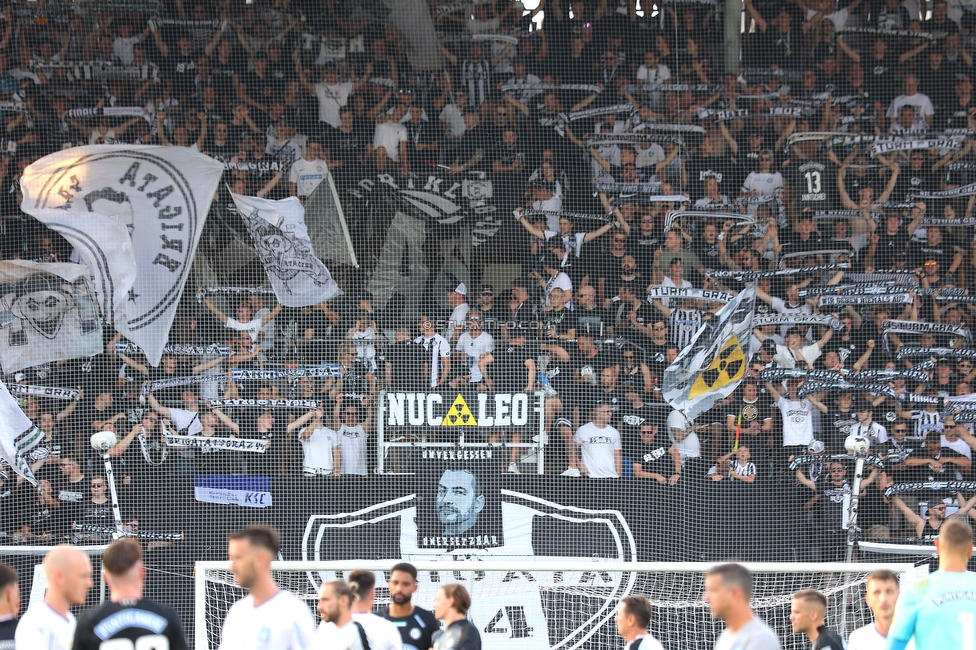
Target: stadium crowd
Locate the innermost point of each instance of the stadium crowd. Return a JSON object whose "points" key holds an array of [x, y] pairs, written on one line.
{"points": [[646, 188]]}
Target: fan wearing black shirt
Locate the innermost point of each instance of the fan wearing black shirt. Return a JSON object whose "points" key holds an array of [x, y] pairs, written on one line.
{"points": [[451, 607], [887, 242], [128, 615], [9, 606], [415, 624], [807, 615], [654, 459]]}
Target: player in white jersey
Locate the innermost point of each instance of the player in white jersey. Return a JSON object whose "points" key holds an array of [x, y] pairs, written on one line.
{"points": [[50, 625], [382, 634], [338, 631], [728, 588], [880, 594], [269, 618], [633, 618], [940, 611]]}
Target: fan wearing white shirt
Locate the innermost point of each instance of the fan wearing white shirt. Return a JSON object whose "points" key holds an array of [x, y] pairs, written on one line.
{"points": [[50, 625], [320, 444], [307, 173], [243, 322], [880, 594], [911, 97], [472, 345], [268, 617], [338, 631], [633, 618], [381, 633]]}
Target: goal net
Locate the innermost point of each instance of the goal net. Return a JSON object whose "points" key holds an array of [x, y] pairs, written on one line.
{"points": [[567, 605]]}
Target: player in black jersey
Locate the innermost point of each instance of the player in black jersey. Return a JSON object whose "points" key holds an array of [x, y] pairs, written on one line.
{"points": [[807, 616], [127, 615], [415, 624], [451, 607], [9, 605]]}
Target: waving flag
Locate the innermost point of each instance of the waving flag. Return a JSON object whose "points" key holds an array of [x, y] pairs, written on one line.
{"points": [[134, 213], [47, 312], [715, 361], [298, 277], [18, 435]]}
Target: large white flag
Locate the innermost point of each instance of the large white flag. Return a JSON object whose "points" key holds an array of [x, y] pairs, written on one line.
{"points": [[298, 277], [47, 312], [17, 435], [135, 214], [715, 361]]}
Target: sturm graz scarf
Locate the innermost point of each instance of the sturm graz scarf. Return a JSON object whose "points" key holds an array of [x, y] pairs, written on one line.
{"points": [[959, 353], [263, 403], [814, 387], [866, 299], [50, 392], [601, 110], [248, 291], [252, 445], [799, 461], [755, 275], [918, 327], [238, 374], [891, 375], [965, 190], [950, 486], [174, 382], [216, 349], [823, 320], [881, 147], [696, 294]]}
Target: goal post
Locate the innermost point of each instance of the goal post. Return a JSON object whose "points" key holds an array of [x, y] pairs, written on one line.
{"points": [[569, 604]]}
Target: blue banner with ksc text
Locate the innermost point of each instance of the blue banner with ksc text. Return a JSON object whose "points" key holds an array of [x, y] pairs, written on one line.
{"points": [[246, 491]]}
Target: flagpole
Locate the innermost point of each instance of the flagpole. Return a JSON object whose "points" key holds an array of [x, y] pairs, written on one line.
{"points": [[116, 511], [342, 219]]}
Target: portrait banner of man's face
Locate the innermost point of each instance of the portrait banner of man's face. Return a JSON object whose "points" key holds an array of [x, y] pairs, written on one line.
{"points": [[461, 505], [47, 312]]}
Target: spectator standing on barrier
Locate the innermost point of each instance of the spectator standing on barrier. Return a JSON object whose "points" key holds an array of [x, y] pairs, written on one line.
{"points": [[50, 624], [9, 605], [437, 366], [600, 445], [320, 444]]}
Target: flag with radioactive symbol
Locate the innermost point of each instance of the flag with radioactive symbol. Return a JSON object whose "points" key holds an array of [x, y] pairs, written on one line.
{"points": [[715, 361]]}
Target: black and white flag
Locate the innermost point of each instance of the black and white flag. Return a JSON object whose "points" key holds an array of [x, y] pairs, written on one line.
{"points": [[134, 214], [18, 435], [298, 277], [47, 312]]}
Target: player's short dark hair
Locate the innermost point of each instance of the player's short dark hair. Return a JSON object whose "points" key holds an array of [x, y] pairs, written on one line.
{"points": [[405, 567], [812, 597], [734, 575], [121, 555], [8, 576], [460, 596], [262, 536], [341, 589], [956, 534], [883, 575], [639, 607], [362, 582]]}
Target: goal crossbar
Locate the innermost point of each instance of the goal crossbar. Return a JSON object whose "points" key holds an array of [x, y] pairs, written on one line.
{"points": [[203, 569]]}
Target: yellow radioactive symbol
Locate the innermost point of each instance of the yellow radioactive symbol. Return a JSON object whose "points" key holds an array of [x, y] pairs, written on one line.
{"points": [[729, 365], [459, 415]]}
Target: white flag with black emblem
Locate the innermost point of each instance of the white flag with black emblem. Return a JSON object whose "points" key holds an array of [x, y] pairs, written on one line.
{"points": [[17, 435], [134, 214], [715, 361], [47, 312], [298, 277]]}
